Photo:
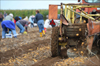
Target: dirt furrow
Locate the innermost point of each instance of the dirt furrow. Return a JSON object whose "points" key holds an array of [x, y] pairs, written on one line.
{"points": [[51, 60], [22, 49], [48, 61]]}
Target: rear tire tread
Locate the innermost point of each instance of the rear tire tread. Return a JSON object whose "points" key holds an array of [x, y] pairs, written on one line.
{"points": [[54, 41]]}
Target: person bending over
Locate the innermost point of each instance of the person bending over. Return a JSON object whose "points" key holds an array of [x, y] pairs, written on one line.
{"points": [[8, 24], [21, 24]]}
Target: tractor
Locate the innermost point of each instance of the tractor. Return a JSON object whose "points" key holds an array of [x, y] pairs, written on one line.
{"points": [[78, 26]]}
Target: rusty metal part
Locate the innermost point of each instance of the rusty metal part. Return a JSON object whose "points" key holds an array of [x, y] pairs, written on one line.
{"points": [[64, 21], [93, 27], [61, 19], [64, 18], [82, 4], [97, 18], [75, 30], [53, 11], [90, 42]]}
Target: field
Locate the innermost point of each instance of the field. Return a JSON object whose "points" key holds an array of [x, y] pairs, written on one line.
{"points": [[32, 50]]}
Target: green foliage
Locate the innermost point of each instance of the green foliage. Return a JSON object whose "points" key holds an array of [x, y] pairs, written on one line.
{"points": [[58, 11], [24, 13]]}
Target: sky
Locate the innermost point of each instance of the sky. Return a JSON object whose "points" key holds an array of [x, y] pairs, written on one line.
{"points": [[30, 4]]}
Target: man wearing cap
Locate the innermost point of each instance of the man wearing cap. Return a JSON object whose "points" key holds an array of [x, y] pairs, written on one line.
{"points": [[21, 24], [9, 17], [7, 24]]}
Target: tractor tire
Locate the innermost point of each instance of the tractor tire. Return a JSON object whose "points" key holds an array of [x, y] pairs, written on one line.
{"points": [[55, 48]]}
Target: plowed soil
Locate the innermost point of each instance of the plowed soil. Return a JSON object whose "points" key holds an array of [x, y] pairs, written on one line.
{"points": [[12, 52], [32, 50]]}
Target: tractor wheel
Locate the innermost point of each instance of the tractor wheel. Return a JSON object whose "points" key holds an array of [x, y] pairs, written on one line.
{"points": [[55, 48]]}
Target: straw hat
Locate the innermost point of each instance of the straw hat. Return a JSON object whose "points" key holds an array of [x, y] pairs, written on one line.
{"points": [[11, 14]]}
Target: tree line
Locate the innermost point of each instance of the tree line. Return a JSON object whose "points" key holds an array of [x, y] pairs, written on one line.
{"points": [[24, 13]]}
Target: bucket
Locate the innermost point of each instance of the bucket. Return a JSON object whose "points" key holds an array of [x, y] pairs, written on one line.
{"points": [[8, 35], [45, 29], [24, 32]]}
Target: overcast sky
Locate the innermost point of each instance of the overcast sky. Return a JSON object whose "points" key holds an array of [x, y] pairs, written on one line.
{"points": [[30, 4]]}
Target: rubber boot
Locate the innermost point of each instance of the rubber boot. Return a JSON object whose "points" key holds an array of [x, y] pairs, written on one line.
{"points": [[40, 34], [43, 32]]}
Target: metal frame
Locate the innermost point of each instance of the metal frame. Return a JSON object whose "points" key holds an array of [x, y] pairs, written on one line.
{"points": [[82, 14], [70, 12]]}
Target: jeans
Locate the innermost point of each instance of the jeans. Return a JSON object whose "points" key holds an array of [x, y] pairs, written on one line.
{"points": [[9, 31], [4, 30], [20, 26], [40, 24], [32, 25]]}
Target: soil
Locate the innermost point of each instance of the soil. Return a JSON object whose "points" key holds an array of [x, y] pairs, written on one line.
{"points": [[93, 61], [12, 52], [51, 60], [48, 61], [8, 50]]}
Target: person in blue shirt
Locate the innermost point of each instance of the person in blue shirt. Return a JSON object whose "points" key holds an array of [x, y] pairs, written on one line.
{"points": [[40, 22], [5, 14], [7, 24], [20, 17], [1, 17], [31, 19]]}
